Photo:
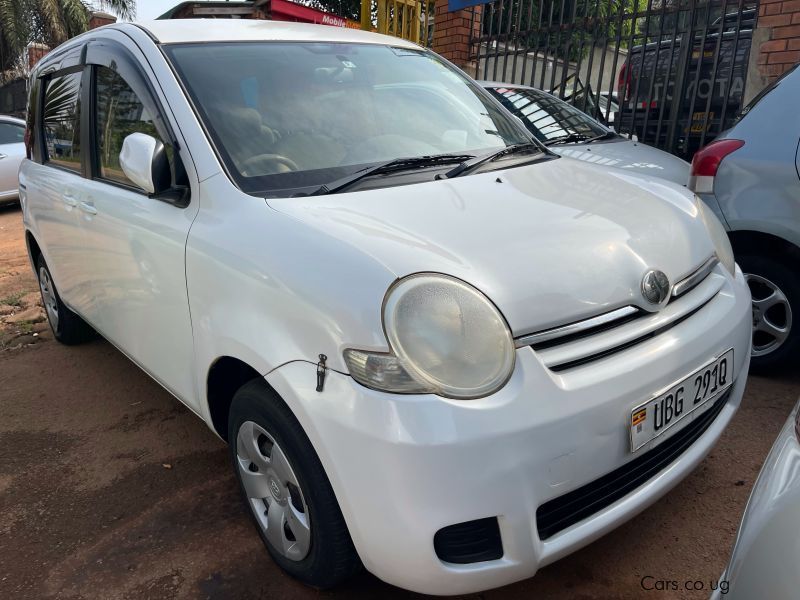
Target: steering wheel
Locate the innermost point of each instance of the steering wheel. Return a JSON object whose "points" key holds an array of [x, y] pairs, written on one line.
{"points": [[265, 164]]}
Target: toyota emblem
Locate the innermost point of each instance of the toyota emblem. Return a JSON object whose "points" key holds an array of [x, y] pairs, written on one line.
{"points": [[655, 286]]}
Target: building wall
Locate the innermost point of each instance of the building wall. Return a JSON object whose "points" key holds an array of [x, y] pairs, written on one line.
{"points": [[776, 44], [451, 34]]}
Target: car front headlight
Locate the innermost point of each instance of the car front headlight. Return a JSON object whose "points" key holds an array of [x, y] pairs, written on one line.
{"points": [[446, 338], [719, 236]]}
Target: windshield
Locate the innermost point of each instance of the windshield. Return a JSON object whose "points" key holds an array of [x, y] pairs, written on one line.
{"points": [[548, 118], [285, 116]]}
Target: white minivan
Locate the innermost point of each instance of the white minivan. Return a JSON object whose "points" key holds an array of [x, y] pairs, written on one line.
{"points": [[434, 347]]}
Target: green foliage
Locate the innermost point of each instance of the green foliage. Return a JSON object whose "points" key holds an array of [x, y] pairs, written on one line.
{"points": [[12, 300], [349, 9], [564, 29], [49, 22]]}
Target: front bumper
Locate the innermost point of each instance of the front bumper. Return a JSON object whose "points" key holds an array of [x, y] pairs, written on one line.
{"points": [[766, 553], [404, 467]]}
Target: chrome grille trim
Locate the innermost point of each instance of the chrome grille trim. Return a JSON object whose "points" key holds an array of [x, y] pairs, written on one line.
{"points": [[687, 283], [581, 342], [623, 336], [577, 327]]}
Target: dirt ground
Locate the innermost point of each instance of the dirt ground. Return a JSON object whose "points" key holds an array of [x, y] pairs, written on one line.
{"points": [[110, 488]]}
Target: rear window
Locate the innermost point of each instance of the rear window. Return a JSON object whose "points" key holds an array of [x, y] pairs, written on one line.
{"points": [[764, 93], [547, 117], [61, 120], [11, 133]]}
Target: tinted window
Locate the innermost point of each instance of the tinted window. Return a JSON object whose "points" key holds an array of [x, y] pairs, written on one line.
{"points": [[765, 92], [547, 117], [11, 133], [291, 115], [61, 120], [120, 112]]}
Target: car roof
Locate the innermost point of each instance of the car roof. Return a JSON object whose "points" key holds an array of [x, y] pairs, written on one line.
{"points": [[10, 119], [176, 31]]}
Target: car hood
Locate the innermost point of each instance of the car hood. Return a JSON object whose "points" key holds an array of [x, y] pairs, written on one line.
{"points": [[549, 243], [634, 157]]}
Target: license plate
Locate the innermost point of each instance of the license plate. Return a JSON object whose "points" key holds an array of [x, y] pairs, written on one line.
{"points": [[668, 411], [699, 122]]}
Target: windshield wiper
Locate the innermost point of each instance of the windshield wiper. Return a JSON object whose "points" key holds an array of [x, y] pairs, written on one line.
{"points": [[604, 136], [391, 166], [474, 162], [569, 139]]}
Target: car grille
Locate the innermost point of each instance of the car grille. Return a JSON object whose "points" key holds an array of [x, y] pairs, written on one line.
{"points": [[562, 512], [574, 344]]}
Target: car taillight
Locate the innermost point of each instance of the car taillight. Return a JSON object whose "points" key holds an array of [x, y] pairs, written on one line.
{"points": [[706, 163], [624, 82]]}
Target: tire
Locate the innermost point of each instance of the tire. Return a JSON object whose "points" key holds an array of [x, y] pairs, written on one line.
{"points": [[322, 555], [68, 328], [776, 306]]}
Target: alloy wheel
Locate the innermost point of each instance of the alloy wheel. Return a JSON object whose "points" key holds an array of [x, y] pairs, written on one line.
{"points": [[273, 492], [49, 297], [772, 315]]}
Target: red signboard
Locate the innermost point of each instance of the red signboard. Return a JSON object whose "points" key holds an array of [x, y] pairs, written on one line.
{"points": [[283, 10]]}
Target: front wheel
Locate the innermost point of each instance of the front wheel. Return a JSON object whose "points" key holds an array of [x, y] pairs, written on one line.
{"points": [[286, 490], [776, 306]]}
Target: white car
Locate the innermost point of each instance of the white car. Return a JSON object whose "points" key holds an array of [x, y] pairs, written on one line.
{"points": [[12, 151], [567, 131], [765, 556], [434, 347]]}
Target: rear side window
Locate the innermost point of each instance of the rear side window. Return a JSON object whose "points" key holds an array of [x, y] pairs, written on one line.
{"points": [[61, 120], [11, 133], [120, 112], [764, 93]]}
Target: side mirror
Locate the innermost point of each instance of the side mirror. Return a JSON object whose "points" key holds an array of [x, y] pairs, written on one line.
{"points": [[144, 161]]}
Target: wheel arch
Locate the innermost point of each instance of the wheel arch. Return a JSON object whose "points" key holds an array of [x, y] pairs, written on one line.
{"points": [[226, 375], [34, 251], [760, 243]]}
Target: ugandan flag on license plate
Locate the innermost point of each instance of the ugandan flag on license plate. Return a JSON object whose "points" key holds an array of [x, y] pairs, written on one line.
{"points": [[638, 417]]}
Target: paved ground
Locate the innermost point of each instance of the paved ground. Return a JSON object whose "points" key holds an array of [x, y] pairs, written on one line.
{"points": [[109, 488]]}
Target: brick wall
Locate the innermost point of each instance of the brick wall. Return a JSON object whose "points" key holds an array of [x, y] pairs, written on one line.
{"points": [[780, 21], [35, 53], [98, 19], [451, 33]]}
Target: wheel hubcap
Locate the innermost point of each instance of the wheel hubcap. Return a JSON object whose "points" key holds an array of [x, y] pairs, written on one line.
{"points": [[273, 492], [49, 297], [772, 315]]}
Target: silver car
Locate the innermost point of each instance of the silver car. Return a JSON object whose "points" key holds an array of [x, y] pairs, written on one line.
{"points": [[749, 178], [569, 132], [12, 151], [766, 554]]}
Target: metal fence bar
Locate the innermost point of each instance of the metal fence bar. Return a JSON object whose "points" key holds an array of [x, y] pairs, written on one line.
{"points": [[726, 97], [516, 40], [618, 42], [700, 58], [587, 88], [526, 51], [655, 68], [658, 50]]}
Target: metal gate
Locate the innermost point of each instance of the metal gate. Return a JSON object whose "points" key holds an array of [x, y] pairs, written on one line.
{"points": [[672, 72], [407, 19]]}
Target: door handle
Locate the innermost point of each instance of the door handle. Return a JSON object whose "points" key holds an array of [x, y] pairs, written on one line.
{"points": [[89, 208], [69, 200], [2, 156]]}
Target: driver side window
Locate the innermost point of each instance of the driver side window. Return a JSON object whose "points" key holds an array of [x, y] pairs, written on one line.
{"points": [[120, 112]]}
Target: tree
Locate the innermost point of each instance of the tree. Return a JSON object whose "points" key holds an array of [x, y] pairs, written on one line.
{"points": [[349, 9], [50, 22]]}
